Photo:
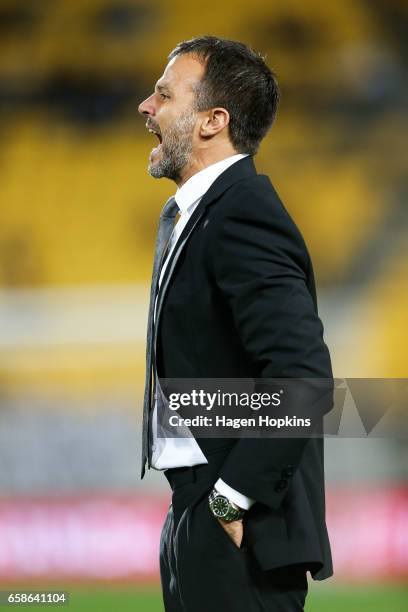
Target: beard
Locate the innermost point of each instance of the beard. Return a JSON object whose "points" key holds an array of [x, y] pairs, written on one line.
{"points": [[175, 149]]}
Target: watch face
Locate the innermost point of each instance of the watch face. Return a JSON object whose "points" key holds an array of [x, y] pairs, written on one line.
{"points": [[220, 506]]}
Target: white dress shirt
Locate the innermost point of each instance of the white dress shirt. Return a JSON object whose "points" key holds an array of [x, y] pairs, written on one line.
{"points": [[184, 451]]}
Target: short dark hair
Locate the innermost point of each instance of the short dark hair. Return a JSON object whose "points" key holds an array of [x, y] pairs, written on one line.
{"points": [[237, 79]]}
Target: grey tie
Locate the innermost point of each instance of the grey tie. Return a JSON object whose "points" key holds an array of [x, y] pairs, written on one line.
{"points": [[166, 226]]}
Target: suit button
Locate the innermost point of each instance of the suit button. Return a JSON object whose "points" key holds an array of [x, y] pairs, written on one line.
{"points": [[288, 471], [281, 485]]}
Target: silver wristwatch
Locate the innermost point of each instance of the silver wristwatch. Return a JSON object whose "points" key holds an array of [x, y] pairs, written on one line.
{"points": [[223, 508]]}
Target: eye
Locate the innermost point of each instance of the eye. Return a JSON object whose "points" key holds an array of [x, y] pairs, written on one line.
{"points": [[163, 96]]}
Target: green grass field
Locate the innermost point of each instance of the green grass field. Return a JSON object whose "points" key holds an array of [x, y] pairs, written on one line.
{"points": [[321, 599]]}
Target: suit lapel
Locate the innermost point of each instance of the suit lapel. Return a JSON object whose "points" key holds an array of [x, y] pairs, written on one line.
{"points": [[240, 170]]}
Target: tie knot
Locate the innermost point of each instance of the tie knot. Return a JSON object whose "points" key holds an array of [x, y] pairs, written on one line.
{"points": [[170, 209]]}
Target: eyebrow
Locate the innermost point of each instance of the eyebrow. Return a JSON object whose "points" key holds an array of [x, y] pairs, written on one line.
{"points": [[163, 87]]}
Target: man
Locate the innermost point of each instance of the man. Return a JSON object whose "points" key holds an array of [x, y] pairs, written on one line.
{"points": [[233, 296]]}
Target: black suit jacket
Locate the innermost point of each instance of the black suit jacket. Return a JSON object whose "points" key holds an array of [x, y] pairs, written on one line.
{"points": [[238, 300]]}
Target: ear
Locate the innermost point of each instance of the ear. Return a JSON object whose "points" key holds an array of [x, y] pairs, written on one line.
{"points": [[214, 121]]}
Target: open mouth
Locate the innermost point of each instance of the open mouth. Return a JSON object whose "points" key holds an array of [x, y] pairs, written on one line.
{"points": [[156, 133]]}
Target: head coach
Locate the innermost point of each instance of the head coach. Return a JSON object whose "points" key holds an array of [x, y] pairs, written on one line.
{"points": [[232, 296]]}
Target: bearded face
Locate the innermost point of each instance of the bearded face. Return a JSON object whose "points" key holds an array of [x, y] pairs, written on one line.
{"points": [[172, 114], [174, 150]]}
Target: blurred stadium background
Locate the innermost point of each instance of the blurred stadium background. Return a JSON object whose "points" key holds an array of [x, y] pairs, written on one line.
{"points": [[78, 217]]}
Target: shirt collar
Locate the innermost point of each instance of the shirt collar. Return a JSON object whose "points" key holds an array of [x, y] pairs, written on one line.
{"points": [[196, 186]]}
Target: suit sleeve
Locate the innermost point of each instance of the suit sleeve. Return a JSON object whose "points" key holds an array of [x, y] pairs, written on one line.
{"points": [[261, 267]]}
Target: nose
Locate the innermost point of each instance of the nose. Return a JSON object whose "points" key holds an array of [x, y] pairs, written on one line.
{"points": [[146, 107]]}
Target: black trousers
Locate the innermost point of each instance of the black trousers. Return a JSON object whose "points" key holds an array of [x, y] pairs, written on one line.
{"points": [[201, 568]]}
